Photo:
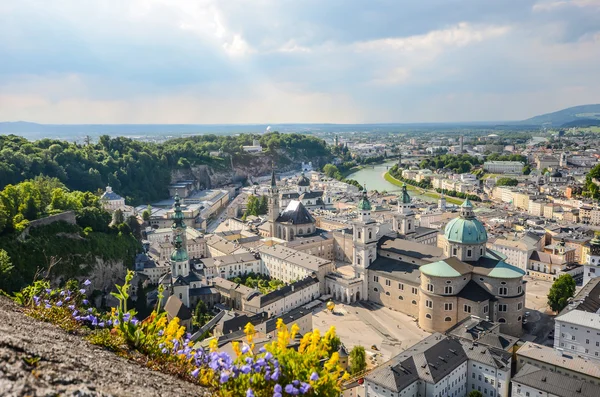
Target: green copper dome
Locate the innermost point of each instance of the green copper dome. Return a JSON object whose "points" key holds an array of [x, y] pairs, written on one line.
{"points": [[405, 195], [179, 255], [364, 204], [466, 229]]}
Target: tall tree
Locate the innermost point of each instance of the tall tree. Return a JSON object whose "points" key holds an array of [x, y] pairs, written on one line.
{"points": [[118, 217], [561, 291], [358, 360], [6, 268]]}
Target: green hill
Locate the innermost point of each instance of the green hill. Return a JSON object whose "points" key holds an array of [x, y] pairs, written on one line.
{"points": [[557, 119]]}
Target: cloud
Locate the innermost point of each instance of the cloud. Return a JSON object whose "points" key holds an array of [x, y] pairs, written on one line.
{"points": [[211, 61]]}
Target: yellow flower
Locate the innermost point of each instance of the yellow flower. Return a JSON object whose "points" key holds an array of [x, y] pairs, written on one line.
{"points": [[280, 323], [304, 342], [295, 329], [249, 331], [236, 348], [214, 345]]}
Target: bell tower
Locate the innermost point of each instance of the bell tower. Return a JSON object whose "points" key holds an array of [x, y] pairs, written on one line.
{"points": [[273, 205], [404, 219]]}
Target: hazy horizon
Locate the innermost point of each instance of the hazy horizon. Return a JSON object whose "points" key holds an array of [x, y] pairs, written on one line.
{"points": [[207, 62]]}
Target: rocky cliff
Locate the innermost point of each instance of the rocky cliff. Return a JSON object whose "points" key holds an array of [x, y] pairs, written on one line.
{"points": [[39, 359]]}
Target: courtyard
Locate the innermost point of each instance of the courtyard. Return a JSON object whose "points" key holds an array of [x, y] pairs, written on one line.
{"points": [[369, 325]]}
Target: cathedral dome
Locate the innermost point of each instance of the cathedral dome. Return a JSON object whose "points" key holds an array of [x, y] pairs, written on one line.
{"points": [[466, 229], [303, 180], [179, 255], [364, 204]]}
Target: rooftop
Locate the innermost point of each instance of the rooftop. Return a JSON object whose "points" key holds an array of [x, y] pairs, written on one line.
{"points": [[552, 357], [296, 257], [554, 384]]}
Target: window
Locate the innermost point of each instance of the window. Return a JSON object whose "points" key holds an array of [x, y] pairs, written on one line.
{"points": [[447, 319], [388, 282], [469, 253], [428, 316], [429, 304], [358, 234], [400, 297], [447, 306], [502, 320], [414, 291], [486, 308], [401, 286], [370, 235], [502, 291], [467, 309], [519, 289], [414, 302], [454, 251], [375, 289], [376, 278], [387, 293], [519, 306], [502, 308], [448, 289], [430, 287]]}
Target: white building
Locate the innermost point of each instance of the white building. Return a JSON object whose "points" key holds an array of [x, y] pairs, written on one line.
{"points": [[254, 148], [591, 268], [577, 327], [517, 250], [230, 266], [503, 167], [532, 381], [111, 201]]}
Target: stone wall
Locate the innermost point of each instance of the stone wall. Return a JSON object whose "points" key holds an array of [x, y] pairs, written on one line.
{"points": [[68, 216]]}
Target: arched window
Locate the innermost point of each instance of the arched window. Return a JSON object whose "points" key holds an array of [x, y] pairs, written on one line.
{"points": [[502, 320], [180, 295], [519, 318], [447, 319], [400, 297], [414, 302], [358, 234], [428, 316], [387, 293], [370, 235], [300, 231], [375, 289]]}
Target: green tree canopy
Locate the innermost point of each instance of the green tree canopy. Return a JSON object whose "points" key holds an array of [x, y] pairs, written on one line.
{"points": [[475, 393], [561, 291], [506, 181], [6, 269], [358, 360]]}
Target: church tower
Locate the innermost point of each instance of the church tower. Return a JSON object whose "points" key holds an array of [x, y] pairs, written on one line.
{"points": [[442, 203], [179, 258], [404, 219], [273, 205], [364, 236]]}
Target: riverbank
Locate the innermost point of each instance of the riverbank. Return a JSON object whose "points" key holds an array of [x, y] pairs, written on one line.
{"points": [[423, 192]]}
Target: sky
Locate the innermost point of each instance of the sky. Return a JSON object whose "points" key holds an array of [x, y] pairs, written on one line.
{"points": [[301, 61]]}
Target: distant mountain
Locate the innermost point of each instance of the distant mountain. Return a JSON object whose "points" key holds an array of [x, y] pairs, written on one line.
{"points": [[557, 119]]}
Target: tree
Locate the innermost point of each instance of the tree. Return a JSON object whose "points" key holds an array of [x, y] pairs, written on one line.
{"points": [[506, 181], [358, 360], [334, 345], [6, 268], [475, 393], [561, 291], [527, 170], [134, 225], [118, 217], [330, 170]]}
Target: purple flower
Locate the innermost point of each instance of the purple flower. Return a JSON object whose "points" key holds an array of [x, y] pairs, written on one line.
{"points": [[164, 351], [48, 306], [85, 302], [59, 303], [48, 291], [36, 300], [261, 362], [161, 332], [262, 350], [71, 307], [268, 356], [101, 324], [277, 394], [245, 369], [75, 312], [134, 321], [116, 322], [109, 323], [87, 282], [296, 383], [249, 393], [314, 377], [304, 387], [62, 293], [195, 372], [277, 388], [82, 291], [224, 377], [78, 318], [245, 349], [275, 375], [90, 310], [290, 389], [94, 320], [126, 317], [248, 360]]}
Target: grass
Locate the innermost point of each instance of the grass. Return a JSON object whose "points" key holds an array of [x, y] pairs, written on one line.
{"points": [[392, 180]]}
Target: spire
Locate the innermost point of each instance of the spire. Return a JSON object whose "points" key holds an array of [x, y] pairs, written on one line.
{"points": [[466, 209], [405, 196], [273, 179], [178, 218]]}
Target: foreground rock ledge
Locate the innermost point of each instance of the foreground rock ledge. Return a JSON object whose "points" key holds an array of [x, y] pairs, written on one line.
{"points": [[70, 366]]}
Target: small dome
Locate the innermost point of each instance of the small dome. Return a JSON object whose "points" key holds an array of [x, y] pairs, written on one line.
{"points": [[179, 255], [364, 204], [303, 180], [466, 231]]}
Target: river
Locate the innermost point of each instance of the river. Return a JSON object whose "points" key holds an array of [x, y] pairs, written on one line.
{"points": [[372, 176]]}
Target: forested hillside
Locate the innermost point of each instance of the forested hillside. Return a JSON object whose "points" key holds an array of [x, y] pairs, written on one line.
{"points": [[140, 171]]}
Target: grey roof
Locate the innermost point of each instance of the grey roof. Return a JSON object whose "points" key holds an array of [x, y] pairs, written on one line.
{"points": [[494, 357], [429, 360], [421, 231], [412, 249], [475, 293], [311, 195], [229, 259], [296, 214], [203, 291], [484, 332], [290, 196], [554, 383], [550, 356], [176, 308], [399, 270], [110, 196], [297, 258], [288, 318]]}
